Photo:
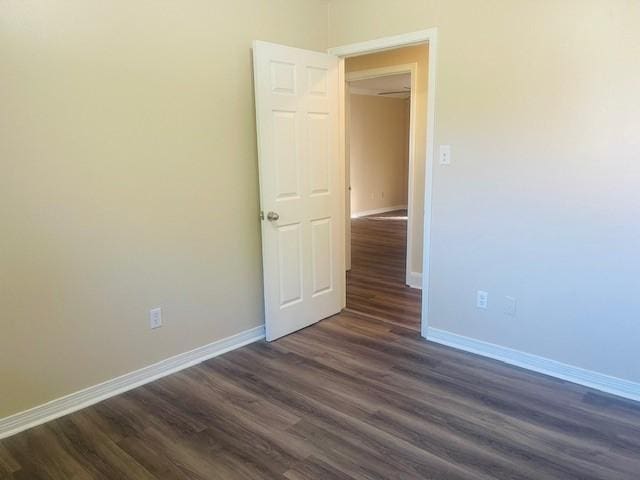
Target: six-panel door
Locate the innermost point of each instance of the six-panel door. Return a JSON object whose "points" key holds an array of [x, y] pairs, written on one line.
{"points": [[297, 122]]}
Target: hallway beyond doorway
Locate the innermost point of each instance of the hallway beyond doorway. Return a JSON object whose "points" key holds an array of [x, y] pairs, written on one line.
{"points": [[376, 282]]}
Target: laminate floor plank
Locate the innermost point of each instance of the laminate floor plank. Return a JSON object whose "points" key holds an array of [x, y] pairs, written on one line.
{"points": [[376, 283], [8, 464], [513, 404], [350, 398], [472, 423]]}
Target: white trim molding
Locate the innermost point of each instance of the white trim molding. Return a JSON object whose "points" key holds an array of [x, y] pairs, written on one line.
{"points": [[410, 68], [386, 43], [378, 92], [553, 368], [429, 36], [428, 186], [414, 280], [377, 211], [76, 401]]}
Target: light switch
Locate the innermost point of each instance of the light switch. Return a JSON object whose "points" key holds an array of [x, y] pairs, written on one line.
{"points": [[445, 154]]}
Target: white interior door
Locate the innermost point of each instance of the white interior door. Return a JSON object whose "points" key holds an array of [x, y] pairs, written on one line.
{"points": [[301, 193]]}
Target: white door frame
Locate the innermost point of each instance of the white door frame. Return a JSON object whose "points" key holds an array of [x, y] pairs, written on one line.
{"points": [[429, 36], [411, 69]]}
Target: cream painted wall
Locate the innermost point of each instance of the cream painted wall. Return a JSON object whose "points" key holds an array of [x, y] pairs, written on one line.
{"points": [[540, 103], [415, 54], [378, 155], [128, 176], [128, 180]]}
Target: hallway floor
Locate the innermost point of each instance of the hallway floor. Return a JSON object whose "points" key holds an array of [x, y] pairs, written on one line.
{"points": [[376, 282]]}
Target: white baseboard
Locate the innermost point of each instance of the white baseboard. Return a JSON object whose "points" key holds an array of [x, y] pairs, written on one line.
{"points": [[376, 211], [414, 280], [68, 404], [587, 378]]}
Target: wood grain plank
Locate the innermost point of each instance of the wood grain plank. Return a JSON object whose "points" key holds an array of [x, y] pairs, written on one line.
{"points": [[376, 281], [351, 398]]}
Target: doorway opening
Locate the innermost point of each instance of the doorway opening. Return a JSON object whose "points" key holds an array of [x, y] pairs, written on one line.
{"points": [[301, 139], [385, 99]]}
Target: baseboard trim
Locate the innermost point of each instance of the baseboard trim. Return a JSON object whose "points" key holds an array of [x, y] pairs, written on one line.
{"points": [[414, 280], [376, 211], [553, 368], [76, 401]]}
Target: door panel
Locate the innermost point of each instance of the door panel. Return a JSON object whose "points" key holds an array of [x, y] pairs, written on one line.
{"points": [[300, 178], [319, 153], [321, 249], [285, 153], [290, 263]]}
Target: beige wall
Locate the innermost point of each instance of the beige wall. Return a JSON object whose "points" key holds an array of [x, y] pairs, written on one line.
{"points": [[418, 54], [540, 102], [128, 176], [128, 180], [378, 155]]}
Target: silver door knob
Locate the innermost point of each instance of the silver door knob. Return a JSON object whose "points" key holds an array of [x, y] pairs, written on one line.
{"points": [[272, 216]]}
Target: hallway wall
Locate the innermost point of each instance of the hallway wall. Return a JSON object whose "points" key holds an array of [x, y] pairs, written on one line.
{"points": [[418, 54], [378, 140]]}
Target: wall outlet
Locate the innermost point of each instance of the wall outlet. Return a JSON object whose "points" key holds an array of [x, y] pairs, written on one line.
{"points": [[445, 154], [482, 299], [155, 318], [510, 306]]}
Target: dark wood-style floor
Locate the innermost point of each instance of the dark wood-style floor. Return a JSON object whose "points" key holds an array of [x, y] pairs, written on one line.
{"points": [[376, 282], [349, 398]]}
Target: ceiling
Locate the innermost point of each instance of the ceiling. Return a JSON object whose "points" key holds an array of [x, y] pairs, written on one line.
{"points": [[387, 86]]}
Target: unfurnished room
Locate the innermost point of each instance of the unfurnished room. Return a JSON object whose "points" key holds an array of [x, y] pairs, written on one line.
{"points": [[320, 239]]}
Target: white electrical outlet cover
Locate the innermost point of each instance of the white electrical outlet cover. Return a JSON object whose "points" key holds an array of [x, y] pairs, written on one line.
{"points": [[445, 154], [155, 317], [482, 299]]}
